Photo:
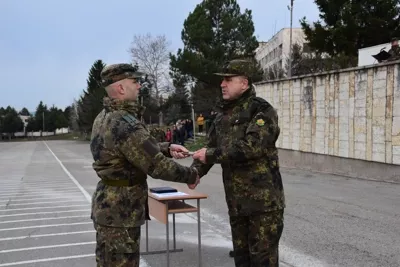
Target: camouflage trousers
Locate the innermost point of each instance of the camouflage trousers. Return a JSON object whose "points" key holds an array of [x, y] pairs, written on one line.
{"points": [[256, 239], [117, 247]]}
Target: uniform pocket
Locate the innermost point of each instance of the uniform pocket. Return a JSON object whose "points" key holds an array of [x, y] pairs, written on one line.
{"points": [[275, 171], [124, 249]]}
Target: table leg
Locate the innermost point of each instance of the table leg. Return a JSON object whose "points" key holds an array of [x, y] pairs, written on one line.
{"points": [[167, 230], [147, 236], [199, 230], [173, 228]]}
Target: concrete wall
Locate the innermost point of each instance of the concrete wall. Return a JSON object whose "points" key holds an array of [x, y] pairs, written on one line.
{"points": [[40, 133], [352, 113]]}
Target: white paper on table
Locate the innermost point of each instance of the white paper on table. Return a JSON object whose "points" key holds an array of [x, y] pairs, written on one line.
{"points": [[172, 194]]}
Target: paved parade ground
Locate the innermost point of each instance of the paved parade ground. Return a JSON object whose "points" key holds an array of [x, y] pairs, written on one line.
{"points": [[46, 187]]}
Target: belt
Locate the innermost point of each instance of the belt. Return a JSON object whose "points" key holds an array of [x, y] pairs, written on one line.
{"points": [[123, 183], [120, 183], [137, 179]]}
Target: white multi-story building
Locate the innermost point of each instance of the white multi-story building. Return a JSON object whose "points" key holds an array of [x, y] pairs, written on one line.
{"points": [[274, 52], [24, 119]]}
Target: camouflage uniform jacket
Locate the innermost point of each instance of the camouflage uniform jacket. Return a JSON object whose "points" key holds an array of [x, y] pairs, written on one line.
{"points": [[242, 139], [394, 53], [123, 149]]}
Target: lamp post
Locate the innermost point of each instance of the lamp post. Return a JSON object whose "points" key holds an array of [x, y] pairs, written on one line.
{"points": [[290, 41], [191, 85], [193, 123]]}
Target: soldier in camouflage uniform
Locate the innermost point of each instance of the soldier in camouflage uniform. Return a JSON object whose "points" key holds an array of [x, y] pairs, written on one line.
{"points": [[153, 132], [242, 139], [158, 134], [394, 50], [124, 154]]}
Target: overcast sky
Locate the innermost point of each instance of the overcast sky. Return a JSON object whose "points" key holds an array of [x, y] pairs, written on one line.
{"points": [[48, 46]]}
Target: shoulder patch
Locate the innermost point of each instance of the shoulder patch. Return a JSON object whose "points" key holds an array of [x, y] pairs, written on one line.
{"points": [[130, 119], [260, 122]]}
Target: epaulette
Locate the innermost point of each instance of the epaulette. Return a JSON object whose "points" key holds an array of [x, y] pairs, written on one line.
{"points": [[260, 100], [258, 104], [130, 119]]}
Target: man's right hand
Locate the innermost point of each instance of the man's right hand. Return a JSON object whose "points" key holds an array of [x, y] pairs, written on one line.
{"points": [[193, 186], [178, 151]]}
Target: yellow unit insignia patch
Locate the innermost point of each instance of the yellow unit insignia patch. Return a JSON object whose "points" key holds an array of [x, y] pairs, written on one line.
{"points": [[260, 122]]}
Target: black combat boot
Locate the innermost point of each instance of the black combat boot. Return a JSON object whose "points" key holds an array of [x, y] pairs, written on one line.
{"points": [[231, 253]]}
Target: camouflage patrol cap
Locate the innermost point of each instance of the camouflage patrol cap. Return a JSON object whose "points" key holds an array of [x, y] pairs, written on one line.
{"points": [[240, 67], [117, 72]]}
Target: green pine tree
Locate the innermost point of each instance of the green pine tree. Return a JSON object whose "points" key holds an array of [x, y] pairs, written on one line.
{"points": [[215, 32], [67, 114], [177, 105], [2, 113], [91, 102], [24, 112], [56, 119], [11, 122], [35, 123], [349, 25]]}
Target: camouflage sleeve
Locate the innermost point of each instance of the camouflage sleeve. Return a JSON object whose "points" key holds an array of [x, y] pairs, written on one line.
{"points": [[261, 134], [164, 148], [143, 151], [204, 168]]}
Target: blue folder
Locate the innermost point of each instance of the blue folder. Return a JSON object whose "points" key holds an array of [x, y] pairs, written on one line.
{"points": [[163, 189]]}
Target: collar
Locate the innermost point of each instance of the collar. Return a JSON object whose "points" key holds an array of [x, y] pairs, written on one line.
{"points": [[117, 104], [244, 98]]}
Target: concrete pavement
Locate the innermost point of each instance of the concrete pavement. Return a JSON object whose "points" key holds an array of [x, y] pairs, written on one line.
{"points": [[329, 221]]}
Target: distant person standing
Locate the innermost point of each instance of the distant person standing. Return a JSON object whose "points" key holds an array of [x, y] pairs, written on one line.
{"points": [[200, 123], [168, 135], [189, 128], [394, 51], [182, 132], [242, 139], [124, 154], [175, 135]]}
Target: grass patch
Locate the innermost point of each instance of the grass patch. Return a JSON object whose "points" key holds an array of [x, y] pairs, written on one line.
{"points": [[196, 145]]}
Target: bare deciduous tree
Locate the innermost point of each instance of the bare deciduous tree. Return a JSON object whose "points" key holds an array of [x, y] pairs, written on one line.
{"points": [[74, 116], [152, 56]]}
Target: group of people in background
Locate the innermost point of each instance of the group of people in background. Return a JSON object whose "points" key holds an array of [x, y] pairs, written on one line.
{"points": [[183, 129]]}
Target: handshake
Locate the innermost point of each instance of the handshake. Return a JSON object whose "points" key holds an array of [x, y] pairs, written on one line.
{"points": [[180, 152]]}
